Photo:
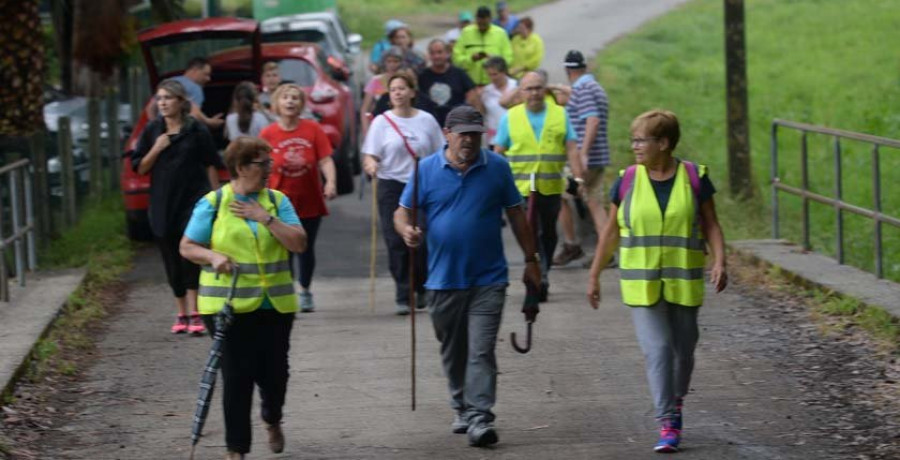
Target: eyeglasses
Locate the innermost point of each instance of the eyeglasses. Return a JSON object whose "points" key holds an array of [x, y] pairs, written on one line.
{"points": [[533, 89], [642, 140], [262, 163]]}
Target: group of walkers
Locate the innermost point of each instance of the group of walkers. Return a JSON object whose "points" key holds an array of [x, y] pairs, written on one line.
{"points": [[465, 137]]}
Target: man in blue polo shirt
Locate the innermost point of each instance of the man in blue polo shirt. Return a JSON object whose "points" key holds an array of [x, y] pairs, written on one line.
{"points": [[462, 193]]}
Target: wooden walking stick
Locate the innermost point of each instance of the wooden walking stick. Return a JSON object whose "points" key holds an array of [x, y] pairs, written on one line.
{"points": [[374, 245], [412, 282]]}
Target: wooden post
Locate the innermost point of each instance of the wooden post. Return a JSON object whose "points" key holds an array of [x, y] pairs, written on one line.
{"points": [[134, 95], [739, 172], [95, 153], [67, 173], [41, 186], [112, 137]]}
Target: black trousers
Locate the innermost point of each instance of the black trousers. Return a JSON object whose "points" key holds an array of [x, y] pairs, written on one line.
{"points": [[389, 192], [255, 352], [547, 208], [304, 264], [181, 273]]}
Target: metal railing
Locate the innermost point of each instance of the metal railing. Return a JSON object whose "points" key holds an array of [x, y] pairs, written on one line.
{"points": [[22, 233], [837, 201]]}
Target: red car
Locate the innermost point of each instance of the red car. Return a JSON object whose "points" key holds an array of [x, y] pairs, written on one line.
{"points": [[236, 54]]}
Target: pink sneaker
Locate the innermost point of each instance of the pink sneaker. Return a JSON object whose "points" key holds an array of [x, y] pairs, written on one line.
{"points": [[196, 326], [181, 325]]}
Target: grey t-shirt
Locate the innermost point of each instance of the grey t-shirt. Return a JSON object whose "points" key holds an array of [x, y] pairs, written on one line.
{"points": [[233, 131]]}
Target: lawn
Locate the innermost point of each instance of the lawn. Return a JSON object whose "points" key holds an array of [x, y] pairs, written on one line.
{"points": [[823, 62]]}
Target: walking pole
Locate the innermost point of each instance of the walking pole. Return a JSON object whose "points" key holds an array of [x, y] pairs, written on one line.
{"points": [[373, 245], [412, 280]]}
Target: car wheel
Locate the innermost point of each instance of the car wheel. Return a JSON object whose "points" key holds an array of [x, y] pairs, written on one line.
{"points": [[138, 226]]}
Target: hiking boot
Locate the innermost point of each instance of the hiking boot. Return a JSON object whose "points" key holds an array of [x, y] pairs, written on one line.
{"points": [[234, 456], [569, 253], [482, 434], [181, 324], [460, 424], [196, 326], [669, 438], [402, 309], [544, 294], [306, 302], [276, 438]]}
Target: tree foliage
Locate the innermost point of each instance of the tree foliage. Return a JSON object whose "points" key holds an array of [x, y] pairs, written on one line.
{"points": [[21, 68]]}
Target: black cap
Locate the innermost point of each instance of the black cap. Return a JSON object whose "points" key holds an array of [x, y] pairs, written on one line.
{"points": [[483, 12], [465, 119], [575, 60]]}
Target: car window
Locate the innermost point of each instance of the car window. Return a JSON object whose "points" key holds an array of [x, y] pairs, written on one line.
{"points": [[298, 71], [172, 57], [305, 35]]}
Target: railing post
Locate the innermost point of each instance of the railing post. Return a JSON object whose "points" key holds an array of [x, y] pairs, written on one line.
{"points": [[29, 220], [96, 159], [112, 136], [876, 181], [17, 224], [774, 180], [839, 195], [804, 171], [67, 175], [41, 195], [4, 275]]}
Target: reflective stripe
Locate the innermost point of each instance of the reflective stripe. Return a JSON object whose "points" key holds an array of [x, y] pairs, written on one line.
{"points": [[539, 176], [662, 241], [246, 292], [637, 274], [253, 269], [534, 158]]}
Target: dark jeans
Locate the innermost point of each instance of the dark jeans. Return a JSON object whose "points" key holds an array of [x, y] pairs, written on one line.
{"points": [[389, 192], [181, 273], [304, 264], [547, 208], [255, 351]]}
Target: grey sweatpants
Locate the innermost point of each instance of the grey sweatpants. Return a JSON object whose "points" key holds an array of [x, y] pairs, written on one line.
{"points": [[668, 335], [466, 322]]}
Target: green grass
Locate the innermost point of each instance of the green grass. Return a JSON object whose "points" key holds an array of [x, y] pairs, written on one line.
{"points": [[426, 17], [823, 62], [97, 243]]}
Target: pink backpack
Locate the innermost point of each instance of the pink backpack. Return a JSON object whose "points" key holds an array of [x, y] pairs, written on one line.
{"points": [[628, 179]]}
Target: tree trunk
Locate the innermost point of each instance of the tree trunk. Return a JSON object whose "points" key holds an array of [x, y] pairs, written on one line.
{"points": [[22, 70]]}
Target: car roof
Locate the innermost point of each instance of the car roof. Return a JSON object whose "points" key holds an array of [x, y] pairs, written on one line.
{"points": [[197, 26]]}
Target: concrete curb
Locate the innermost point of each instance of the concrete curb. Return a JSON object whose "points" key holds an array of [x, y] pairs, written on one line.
{"points": [[817, 271], [28, 317]]}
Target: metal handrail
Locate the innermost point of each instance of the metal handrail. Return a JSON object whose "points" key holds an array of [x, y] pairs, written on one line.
{"points": [[837, 201], [22, 238]]}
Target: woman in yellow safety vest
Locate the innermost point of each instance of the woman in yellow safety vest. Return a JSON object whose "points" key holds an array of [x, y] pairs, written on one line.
{"points": [[666, 217], [246, 225]]}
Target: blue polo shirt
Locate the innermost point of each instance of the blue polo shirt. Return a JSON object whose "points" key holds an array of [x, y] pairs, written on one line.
{"points": [[462, 213]]}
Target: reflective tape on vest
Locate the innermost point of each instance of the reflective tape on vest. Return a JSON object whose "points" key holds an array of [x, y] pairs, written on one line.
{"points": [[246, 292], [662, 241], [653, 274], [538, 157], [253, 269], [538, 176]]}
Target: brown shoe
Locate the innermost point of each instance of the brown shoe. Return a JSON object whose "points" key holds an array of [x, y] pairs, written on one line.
{"points": [[276, 437], [234, 456], [569, 253]]}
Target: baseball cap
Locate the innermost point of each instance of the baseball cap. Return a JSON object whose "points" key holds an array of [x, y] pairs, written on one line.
{"points": [[465, 119], [501, 6], [393, 24], [465, 16], [483, 12], [575, 60]]}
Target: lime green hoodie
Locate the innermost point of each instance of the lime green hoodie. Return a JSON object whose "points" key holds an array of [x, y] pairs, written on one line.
{"points": [[494, 42]]}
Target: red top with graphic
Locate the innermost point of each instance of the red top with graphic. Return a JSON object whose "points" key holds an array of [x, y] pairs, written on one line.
{"points": [[295, 165]]}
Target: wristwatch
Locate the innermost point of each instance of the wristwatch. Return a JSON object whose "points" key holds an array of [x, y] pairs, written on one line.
{"points": [[535, 258], [579, 180], [269, 220]]}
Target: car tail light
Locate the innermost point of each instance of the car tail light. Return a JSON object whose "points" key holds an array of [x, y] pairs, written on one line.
{"points": [[322, 95]]}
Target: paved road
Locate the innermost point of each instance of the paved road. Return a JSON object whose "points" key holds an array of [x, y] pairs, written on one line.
{"points": [[580, 393]]}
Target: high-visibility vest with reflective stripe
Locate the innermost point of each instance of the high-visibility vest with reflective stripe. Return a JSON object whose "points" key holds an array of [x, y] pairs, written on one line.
{"points": [[263, 261], [545, 159], [661, 254]]}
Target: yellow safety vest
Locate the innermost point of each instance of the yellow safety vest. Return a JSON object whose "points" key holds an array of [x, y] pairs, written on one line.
{"points": [[661, 255], [545, 159], [264, 262]]}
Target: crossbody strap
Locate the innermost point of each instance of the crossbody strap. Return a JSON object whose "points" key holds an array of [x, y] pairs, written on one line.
{"points": [[409, 149]]}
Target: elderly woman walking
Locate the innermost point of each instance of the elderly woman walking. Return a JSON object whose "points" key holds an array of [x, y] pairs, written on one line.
{"points": [[301, 155], [257, 343], [387, 156], [180, 154], [666, 217]]}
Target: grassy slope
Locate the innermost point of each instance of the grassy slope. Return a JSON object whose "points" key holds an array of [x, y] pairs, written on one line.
{"points": [[823, 62]]}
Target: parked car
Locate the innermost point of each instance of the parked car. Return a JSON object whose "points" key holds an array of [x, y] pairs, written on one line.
{"points": [[235, 52]]}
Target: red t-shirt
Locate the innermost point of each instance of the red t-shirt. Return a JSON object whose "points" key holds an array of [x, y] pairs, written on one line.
{"points": [[295, 167]]}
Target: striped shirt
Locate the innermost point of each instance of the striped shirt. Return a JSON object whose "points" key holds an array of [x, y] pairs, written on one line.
{"points": [[588, 99]]}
